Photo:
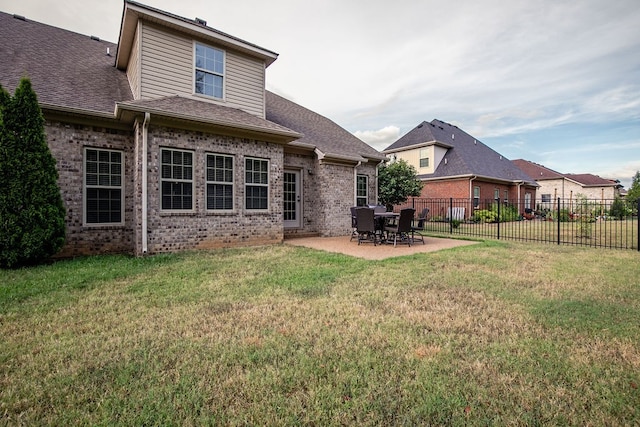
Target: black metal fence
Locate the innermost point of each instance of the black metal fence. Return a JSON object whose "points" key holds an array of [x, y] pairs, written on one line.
{"points": [[579, 221]]}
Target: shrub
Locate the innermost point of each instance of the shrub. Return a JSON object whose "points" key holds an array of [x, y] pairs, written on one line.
{"points": [[32, 214]]}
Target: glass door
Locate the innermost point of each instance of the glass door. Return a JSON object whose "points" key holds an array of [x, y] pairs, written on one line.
{"points": [[292, 199]]}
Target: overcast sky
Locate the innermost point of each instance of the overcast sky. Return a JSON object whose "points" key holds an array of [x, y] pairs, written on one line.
{"points": [[551, 81]]}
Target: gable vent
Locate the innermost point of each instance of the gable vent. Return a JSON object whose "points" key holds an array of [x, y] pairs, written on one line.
{"points": [[201, 21]]}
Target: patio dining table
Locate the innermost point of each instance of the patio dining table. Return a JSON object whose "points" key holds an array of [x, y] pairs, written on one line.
{"points": [[383, 219]]}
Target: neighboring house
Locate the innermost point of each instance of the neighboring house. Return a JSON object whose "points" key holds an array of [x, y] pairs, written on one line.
{"points": [[453, 164], [554, 185], [169, 141]]}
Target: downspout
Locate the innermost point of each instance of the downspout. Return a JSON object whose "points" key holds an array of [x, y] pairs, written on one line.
{"points": [[377, 177], [471, 194], [520, 184], [145, 132]]}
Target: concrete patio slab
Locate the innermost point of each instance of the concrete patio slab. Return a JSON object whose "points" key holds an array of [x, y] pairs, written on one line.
{"points": [[368, 251]]}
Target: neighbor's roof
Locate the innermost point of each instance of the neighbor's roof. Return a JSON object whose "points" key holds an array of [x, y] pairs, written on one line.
{"points": [[66, 69], [536, 171], [589, 180], [466, 155], [320, 133]]}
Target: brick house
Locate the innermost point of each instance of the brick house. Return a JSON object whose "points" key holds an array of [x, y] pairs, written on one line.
{"points": [[554, 185], [454, 164], [169, 141]]}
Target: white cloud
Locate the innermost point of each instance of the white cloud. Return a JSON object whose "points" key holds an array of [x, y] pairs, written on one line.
{"points": [[381, 138]]}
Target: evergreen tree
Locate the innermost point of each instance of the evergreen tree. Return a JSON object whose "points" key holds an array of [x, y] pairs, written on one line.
{"points": [[397, 182], [32, 214]]}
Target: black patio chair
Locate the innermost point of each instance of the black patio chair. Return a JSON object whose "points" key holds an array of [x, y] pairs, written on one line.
{"points": [[422, 219], [354, 223], [402, 229], [366, 226]]}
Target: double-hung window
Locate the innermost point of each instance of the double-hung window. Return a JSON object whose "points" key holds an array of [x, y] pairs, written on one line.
{"points": [[103, 186], [362, 194], [256, 184], [424, 158], [476, 197], [209, 71], [176, 179], [219, 182]]}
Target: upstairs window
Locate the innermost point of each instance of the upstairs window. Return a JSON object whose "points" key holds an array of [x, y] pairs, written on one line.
{"points": [[209, 71], [424, 158], [362, 193]]}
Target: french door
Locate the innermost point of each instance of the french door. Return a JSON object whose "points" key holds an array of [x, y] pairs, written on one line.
{"points": [[292, 199]]}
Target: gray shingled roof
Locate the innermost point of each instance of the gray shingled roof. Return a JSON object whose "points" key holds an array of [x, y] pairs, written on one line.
{"points": [[72, 70], [66, 69], [207, 112], [466, 155], [318, 131]]}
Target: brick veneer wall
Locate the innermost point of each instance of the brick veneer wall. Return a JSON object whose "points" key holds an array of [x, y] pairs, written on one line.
{"points": [[306, 164], [169, 231], [66, 142], [336, 195]]}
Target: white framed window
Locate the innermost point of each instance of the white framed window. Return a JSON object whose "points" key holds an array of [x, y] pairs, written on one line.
{"points": [[505, 199], [103, 186], [176, 179], [496, 194], [424, 158], [546, 198], [219, 177], [476, 197], [527, 200], [362, 190], [209, 71], [256, 184]]}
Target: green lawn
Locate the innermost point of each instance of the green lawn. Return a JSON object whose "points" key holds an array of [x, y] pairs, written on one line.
{"points": [[499, 333]]}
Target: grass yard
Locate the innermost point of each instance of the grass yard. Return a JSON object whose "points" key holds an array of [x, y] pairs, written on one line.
{"points": [[499, 333]]}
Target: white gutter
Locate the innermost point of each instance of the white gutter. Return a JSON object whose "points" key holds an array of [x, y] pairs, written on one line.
{"points": [[145, 131]]}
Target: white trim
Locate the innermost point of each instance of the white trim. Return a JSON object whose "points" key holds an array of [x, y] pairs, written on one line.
{"points": [[84, 188], [232, 183], [223, 75], [267, 185], [192, 180]]}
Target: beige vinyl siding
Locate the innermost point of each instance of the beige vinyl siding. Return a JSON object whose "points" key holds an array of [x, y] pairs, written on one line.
{"points": [[167, 70], [133, 69], [167, 62], [245, 83]]}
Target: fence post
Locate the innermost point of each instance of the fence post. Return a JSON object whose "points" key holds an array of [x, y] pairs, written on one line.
{"points": [[638, 216], [499, 203], [558, 220], [450, 215]]}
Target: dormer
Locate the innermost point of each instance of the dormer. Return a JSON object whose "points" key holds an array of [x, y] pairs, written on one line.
{"points": [[167, 55]]}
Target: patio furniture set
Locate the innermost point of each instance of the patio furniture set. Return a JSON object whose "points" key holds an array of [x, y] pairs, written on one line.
{"points": [[374, 224]]}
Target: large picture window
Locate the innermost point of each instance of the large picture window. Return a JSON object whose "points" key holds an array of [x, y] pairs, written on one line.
{"points": [[103, 179], [219, 182], [362, 190], [256, 184], [209, 71], [176, 179]]}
